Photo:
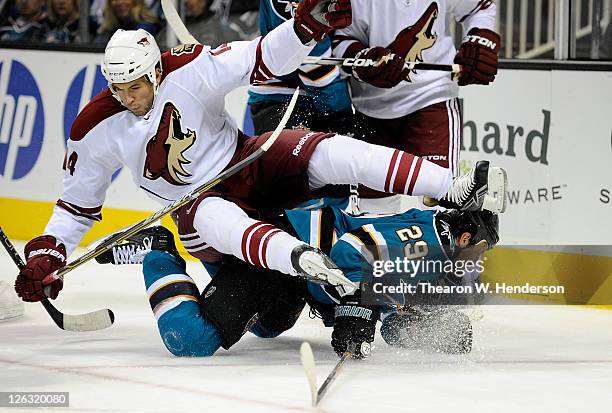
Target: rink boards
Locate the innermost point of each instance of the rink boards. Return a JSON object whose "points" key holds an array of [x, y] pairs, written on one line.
{"points": [[549, 128]]}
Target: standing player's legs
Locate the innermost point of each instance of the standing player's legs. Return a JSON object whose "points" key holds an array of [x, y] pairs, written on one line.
{"points": [[432, 133], [342, 160]]}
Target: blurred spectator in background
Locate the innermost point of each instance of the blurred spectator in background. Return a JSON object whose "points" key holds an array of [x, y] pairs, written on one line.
{"points": [[63, 21], [605, 50], [126, 15], [5, 7], [242, 16], [207, 26], [29, 25]]}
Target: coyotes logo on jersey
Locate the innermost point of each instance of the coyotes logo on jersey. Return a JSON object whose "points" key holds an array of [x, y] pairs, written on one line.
{"points": [[411, 41], [165, 150]]}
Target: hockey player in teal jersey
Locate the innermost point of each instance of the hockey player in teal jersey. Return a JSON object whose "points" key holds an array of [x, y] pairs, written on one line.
{"points": [[243, 298], [361, 244], [324, 103]]}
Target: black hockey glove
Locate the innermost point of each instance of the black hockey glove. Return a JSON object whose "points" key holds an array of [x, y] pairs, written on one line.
{"points": [[355, 325]]}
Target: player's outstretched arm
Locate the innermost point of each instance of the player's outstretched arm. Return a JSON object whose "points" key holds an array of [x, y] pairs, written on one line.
{"points": [[280, 52]]}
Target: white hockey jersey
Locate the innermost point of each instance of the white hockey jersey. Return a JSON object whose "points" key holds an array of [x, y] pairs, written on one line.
{"points": [[417, 30], [186, 139]]}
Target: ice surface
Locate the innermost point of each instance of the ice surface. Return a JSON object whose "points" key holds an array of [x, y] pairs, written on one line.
{"points": [[525, 359]]}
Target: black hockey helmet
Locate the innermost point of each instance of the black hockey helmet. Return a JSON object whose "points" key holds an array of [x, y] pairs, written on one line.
{"points": [[482, 225]]}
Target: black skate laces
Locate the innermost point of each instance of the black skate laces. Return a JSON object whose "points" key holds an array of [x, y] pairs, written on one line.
{"points": [[461, 188]]}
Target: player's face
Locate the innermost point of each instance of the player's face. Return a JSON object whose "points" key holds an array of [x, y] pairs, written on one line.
{"points": [[136, 95]]}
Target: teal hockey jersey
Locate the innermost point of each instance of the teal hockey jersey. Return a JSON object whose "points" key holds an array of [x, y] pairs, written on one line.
{"points": [[361, 245], [323, 84]]}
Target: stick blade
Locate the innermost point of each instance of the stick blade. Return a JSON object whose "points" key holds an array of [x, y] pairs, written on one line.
{"points": [[96, 320], [308, 363]]}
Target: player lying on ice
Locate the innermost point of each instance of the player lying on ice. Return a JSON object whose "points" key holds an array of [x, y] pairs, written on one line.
{"points": [[163, 118], [242, 298]]}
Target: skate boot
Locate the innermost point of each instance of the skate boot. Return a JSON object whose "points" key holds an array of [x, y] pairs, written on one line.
{"points": [[313, 265], [133, 249], [484, 187]]}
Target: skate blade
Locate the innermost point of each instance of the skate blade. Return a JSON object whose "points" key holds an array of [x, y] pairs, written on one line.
{"points": [[326, 276], [496, 198]]}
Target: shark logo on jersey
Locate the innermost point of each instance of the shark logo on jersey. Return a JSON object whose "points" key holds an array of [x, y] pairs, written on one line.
{"points": [[165, 150], [285, 9], [413, 40]]}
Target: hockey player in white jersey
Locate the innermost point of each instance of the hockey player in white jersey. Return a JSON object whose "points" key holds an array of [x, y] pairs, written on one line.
{"points": [[163, 118], [417, 111]]}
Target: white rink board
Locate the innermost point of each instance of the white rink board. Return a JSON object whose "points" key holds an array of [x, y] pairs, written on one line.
{"points": [[562, 196], [566, 191]]}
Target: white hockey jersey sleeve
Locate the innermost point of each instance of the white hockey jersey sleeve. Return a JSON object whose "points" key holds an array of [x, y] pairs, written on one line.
{"points": [[473, 13], [239, 63], [357, 32], [88, 169]]}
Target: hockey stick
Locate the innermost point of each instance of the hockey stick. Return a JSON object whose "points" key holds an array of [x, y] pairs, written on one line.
{"points": [[178, 27], [176, 24], [120, 236], [96, 320], [352, 62], [309, 368]]}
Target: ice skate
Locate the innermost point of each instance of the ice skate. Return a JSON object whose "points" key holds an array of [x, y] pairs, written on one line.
{"points": [[133, 249], [484, 187], [315, 266]]}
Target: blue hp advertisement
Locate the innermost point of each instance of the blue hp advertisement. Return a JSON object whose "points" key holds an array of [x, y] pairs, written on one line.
{"points": [[85, 85], [22, 120]]}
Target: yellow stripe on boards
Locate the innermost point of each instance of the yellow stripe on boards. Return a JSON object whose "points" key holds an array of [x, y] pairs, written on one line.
{"points": [[23, 219], [587, 279]]}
